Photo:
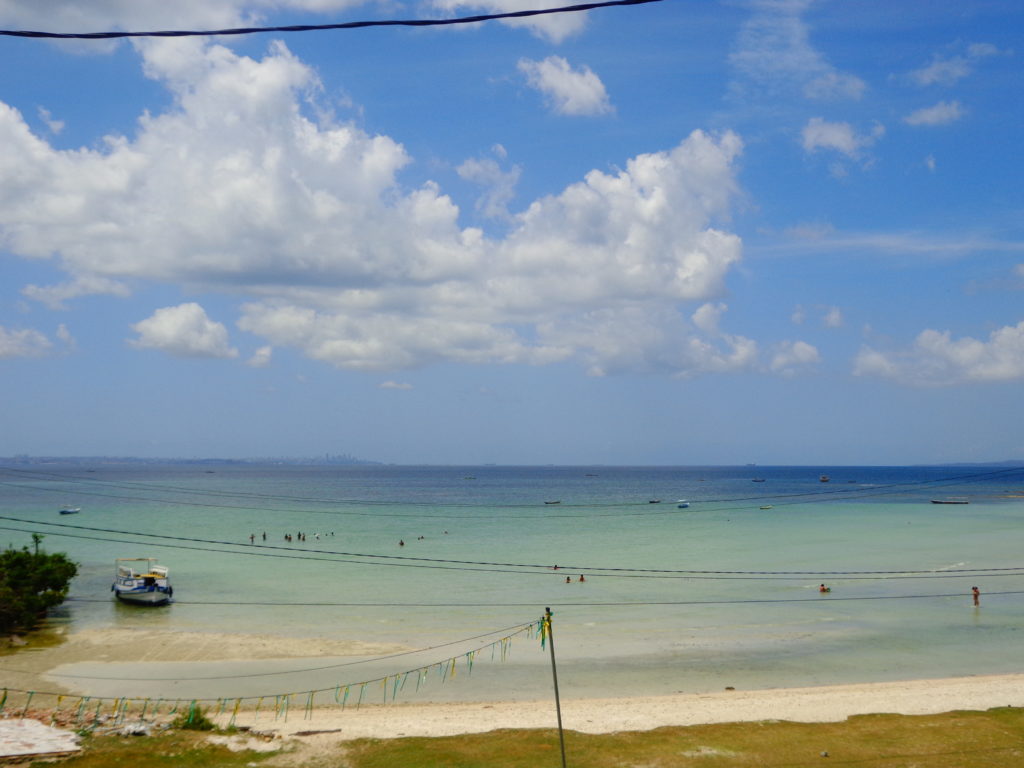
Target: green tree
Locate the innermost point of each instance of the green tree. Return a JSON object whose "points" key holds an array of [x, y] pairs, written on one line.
{"points": [[31, 582]]}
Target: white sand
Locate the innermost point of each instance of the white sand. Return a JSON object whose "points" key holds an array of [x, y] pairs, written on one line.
{"points": [[819, 704], [815, 704]]}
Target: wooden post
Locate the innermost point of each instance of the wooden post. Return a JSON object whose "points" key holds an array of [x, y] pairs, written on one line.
{"points": [[554, 675]]}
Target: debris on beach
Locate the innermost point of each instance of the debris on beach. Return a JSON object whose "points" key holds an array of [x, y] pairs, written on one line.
{"points": [[24, 738]]}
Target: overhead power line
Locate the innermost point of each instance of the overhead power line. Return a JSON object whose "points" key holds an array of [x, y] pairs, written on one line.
{"points": [[325, 27], [516, 628], [407, 561], [570, 604]]}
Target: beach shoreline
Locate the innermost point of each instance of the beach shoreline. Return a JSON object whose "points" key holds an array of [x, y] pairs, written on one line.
{"points": [[831, 703], [824, 703]]}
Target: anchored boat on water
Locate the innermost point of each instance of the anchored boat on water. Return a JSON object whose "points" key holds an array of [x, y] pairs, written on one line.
{"points": [[141, 581]]}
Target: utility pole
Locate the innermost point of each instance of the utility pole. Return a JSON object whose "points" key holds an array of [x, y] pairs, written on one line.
{"points": [[554, 674]]}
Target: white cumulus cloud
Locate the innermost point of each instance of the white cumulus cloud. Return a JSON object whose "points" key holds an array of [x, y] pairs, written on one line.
{"points": [[554, 27], [936, 358], [499, 184], [949, 69], [568, 91], [261, 357], [841, 137], [23, 342], [790, 357], [943, 113], [774, 53], [55, 296], [183, 331], [305, 223]]}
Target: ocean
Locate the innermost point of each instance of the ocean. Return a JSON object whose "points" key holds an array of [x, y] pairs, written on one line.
{"points": [[724, 592]]}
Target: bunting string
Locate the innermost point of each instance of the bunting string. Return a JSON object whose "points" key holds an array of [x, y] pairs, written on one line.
{"points": [[121, 706]]}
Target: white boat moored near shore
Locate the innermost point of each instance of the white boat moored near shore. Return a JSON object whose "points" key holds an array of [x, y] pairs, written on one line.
{"points": [[140, 580]]}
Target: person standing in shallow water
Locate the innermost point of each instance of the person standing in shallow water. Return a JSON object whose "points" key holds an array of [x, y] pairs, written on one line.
{"points": [[976, 594]]}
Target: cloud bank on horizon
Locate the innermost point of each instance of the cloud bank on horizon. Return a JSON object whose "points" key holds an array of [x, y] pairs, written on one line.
{"points": [[284, 215]]}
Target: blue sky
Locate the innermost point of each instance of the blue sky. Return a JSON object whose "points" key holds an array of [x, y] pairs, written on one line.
{"points": [[779, 232]]}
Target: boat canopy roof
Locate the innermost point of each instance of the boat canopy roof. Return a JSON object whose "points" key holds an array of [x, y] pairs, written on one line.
{"points": [[126, 567]]}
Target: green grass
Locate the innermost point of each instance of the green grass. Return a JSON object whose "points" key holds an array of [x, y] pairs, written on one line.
{"points": [[955, 740], [176, 749]]}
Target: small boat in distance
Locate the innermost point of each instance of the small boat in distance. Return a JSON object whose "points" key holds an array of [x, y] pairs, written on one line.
{"points": [[654, 501], [766, 506], [141, 581], [824, 479], [951, 500], [70, 510], [559, 501], [682, 504], [757, 480]]}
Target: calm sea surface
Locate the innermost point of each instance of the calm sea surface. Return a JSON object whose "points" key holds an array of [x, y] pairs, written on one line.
{"points": [[722, 593]]}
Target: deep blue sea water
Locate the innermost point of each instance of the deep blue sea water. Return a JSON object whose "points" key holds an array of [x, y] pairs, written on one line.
{"points": [[720, 593]]}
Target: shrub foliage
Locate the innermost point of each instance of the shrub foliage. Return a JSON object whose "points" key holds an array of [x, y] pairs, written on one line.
{"points": [[30, 583]]}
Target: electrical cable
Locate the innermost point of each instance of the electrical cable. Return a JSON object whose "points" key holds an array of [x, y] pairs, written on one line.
{"points": [[272, 549], [322, 27], [516, 628], [621, 573]]}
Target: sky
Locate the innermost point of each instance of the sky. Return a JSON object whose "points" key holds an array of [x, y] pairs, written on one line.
{"points": [[693, 233]]}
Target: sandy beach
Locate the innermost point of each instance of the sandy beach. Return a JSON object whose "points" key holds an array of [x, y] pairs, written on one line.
{"points": [[28, 670], [819, 704]]}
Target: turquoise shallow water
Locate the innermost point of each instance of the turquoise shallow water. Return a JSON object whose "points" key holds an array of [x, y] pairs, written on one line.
{"points": [[674, 599]]}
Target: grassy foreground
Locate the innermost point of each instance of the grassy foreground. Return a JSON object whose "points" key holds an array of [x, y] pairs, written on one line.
{"points": [[952, 740]]}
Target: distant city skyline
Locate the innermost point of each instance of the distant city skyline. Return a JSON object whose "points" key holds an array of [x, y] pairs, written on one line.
{"points": [[671, 234]]}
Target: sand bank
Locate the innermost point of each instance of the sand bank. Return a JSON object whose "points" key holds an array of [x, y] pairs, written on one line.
{"points": [[29, 668], [818, 704]]}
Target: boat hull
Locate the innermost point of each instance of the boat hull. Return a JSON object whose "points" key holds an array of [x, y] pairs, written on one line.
{"points": [[143, 597]]}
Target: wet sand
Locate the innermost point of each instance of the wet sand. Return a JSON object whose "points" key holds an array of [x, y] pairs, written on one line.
{"points": [[28, 670]]}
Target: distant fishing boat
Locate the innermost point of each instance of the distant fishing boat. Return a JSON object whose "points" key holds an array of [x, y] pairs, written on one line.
{"points": [[824, 479], [654, 501], [956, 500], [70, 510], [141, 581], [766, 506], [559, 501], [682, 504], [757, 480]]}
